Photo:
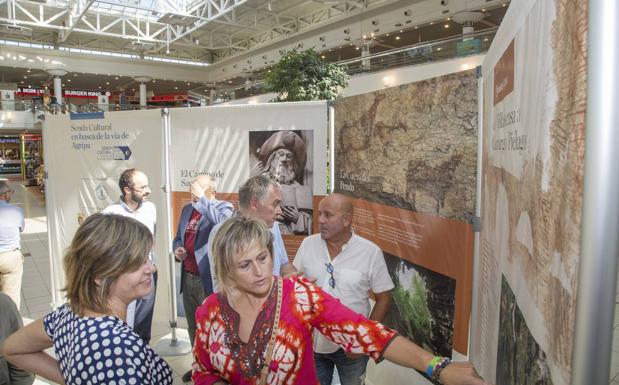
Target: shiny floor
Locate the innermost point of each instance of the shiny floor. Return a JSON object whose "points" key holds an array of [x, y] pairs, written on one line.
{"points": [[36, 284]]}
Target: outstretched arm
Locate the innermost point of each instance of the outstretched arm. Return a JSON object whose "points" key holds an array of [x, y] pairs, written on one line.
{"points": [[25, 349], [405, 353]]}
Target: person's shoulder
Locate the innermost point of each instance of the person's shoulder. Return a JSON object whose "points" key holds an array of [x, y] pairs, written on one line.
{"points": [[111, 209], [312, 239], [118, 334], [148, 205], [209, 307], [7, 305], [304, 291], [364, 242]]}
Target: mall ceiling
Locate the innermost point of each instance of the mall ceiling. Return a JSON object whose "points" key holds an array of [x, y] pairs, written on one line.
{"points": [[204, 31]]}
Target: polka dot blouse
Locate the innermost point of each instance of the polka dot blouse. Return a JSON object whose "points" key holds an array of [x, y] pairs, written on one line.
{"points": [[102, 350]]}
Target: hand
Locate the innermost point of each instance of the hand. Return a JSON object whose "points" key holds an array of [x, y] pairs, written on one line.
{"points": [[180, 254], [301, 273], [290, 214], [210, 193], [461, 373], [196, 191], [258, 169]]}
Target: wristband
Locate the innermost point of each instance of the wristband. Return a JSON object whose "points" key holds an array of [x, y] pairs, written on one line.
{"points": [[436, 365]]}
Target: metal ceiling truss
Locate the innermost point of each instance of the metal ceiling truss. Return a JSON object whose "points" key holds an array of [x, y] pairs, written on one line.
{"points": [[327, 12], [186, 29]]}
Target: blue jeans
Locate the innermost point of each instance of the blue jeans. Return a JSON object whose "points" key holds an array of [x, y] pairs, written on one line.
{"points": [[351, 372]]}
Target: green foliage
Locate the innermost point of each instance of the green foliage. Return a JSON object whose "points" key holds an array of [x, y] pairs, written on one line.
{"points": [[302, 76], [414, 311]]}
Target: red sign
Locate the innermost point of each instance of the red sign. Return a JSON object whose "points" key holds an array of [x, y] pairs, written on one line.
{"points": [[168, 98], [81, 94], [24, 91]]}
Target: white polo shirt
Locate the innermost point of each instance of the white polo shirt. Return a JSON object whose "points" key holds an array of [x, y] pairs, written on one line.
{"points": [[358, 268]]}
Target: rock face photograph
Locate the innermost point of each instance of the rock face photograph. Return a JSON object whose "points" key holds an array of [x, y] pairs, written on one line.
{"points": [[423, 305], [520, 359], [412, 147]]}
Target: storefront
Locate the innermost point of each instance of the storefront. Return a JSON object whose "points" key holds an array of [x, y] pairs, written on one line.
{"points": [[31, 157], [10, 154]]}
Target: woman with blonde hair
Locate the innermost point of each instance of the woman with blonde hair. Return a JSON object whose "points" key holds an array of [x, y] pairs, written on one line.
{"points": [[258, 329], [106, 268]]}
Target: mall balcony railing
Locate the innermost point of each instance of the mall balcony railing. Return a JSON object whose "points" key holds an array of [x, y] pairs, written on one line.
{"points": [[423, 53]]}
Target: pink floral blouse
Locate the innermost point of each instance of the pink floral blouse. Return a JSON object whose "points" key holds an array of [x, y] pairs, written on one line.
{"points": [[221, 355]]}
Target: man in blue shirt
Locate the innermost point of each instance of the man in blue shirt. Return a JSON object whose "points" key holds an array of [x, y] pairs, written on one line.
{"points": [[259, 197], [11, 259]]}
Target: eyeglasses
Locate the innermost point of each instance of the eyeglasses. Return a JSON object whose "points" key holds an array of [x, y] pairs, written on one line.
{"points": [[140, 189], [330, 271]]}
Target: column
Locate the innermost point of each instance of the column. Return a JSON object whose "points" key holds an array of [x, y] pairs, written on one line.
{"points": [[142, 80], [57, 73]]}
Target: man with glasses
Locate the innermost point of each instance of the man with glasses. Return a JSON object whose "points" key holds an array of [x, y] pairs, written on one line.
{"points": [[346, 266], [134, 203], [11, 259]]}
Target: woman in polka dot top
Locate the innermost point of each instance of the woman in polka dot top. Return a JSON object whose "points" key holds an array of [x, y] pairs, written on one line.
{"points": [[106, 268]]}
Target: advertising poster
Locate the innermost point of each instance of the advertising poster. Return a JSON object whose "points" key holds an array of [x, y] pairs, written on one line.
{"points": [[284, 141], [534, 85], [84, 159], [407, 156]]}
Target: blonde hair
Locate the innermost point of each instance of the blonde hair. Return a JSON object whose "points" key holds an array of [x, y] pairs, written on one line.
{"points": [[104, 247], [234, 237]]}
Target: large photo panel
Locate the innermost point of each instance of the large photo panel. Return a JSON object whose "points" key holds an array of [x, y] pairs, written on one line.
{"points": [[533, 146], [407, 156]]}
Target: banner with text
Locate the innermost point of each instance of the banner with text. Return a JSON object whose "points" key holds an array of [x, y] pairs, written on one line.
{"points": [[232, 143], [533, 146], [84, 159]]}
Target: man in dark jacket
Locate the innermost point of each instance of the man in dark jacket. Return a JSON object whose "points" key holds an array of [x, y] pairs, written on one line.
{"points": [[190, 246]]}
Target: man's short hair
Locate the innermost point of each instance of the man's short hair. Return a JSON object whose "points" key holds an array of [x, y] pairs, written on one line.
{"points": [[126, 179], [4, 187], [104, 247], [255, 187]]}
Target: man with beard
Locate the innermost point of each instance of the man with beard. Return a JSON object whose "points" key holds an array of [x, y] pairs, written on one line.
{"points": [[346, 266], [134, 203], [282, 158]]}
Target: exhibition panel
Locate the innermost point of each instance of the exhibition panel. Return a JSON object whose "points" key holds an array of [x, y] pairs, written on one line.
{"points": [[233, 143], [408, 156], [85, 155], [533, 155]]}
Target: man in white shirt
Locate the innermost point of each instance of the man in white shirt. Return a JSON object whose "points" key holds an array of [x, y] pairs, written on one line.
{"points": [[259, 197], [134, 203], [346, 266]]}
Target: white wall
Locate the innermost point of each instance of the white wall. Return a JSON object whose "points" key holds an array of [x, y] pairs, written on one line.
{"points": [[374, 81], [394, 77]]}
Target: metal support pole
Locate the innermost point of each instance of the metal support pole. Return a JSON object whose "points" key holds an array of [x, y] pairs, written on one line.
{"points": [[600, 222], [476, 221], [170, 345], [331, 147]]}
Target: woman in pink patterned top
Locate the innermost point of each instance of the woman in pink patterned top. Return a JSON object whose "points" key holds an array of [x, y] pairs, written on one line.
{"points": [[234, 337]]}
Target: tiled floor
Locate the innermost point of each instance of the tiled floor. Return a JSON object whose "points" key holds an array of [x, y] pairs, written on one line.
{"points": [[36, 284]]}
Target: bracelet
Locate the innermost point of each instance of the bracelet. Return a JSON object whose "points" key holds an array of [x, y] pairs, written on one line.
{"points": [[436, 365]]}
